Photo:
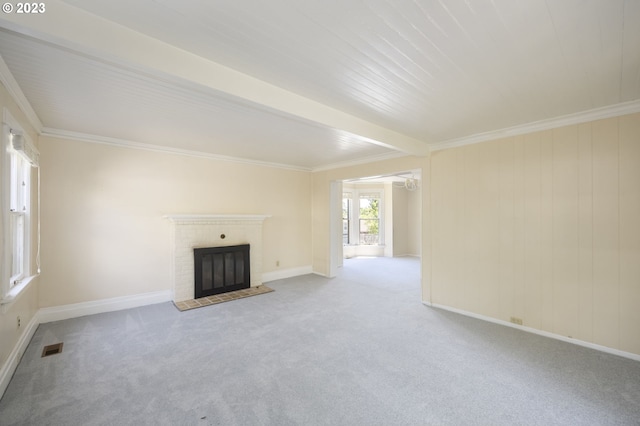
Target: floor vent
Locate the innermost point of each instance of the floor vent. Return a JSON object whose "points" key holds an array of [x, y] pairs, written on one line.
{"points": [[52, 349]]}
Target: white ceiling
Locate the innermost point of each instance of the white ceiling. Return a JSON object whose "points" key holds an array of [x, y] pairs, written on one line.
{"points": [[313, 84]]}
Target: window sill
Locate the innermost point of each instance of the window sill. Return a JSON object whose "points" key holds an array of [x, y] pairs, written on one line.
{"points": [[16, 291]]}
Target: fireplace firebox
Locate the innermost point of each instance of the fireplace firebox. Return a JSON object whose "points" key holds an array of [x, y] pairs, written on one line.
{"points": [[221, 269]]}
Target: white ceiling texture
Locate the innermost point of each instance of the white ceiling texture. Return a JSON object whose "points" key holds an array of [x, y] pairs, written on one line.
{"points": [[313, 84]]}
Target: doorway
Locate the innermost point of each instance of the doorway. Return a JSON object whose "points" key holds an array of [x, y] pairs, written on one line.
{"points": [[377, 216]]}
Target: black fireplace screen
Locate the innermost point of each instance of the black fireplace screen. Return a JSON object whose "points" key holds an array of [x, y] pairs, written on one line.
{"points": [[221, 269]]}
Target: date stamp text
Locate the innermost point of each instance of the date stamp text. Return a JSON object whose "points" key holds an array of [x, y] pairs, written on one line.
{"points": [[24, 8]]}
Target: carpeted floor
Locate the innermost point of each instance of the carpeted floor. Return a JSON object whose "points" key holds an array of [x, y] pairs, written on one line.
{"points": [[359, 349]]}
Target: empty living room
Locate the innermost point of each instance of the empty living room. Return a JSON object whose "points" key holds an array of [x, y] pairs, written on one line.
{"points": [[320, 213]]}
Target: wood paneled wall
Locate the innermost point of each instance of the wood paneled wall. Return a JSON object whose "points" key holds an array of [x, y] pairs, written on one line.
{"points": [[544, 227]]}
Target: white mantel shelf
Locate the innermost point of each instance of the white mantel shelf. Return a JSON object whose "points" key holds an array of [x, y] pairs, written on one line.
{"points": [[204, 218]]}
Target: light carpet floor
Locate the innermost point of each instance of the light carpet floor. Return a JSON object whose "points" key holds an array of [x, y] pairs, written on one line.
{"points": [[359, 349]]}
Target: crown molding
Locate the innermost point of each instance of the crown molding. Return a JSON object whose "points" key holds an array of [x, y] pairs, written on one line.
{"points": [[122, 143], [10, 83], [610, 111]]}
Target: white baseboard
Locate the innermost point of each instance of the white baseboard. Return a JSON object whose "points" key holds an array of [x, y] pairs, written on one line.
{"points": [[75, 310], [286, 273], [9, 367], [578, 342], [58, 313]]}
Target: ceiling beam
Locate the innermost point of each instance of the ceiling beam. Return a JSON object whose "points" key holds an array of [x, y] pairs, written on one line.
{"points": [[90, 35]]}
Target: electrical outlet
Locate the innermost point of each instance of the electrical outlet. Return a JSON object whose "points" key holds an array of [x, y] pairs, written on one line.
{"points": [[516, 320], [19, 322]]}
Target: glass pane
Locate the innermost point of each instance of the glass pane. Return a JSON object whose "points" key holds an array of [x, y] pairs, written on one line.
{"points": [[218, 271], [229, 270], [13, 198], [239, 267], [16, 228], [345, 231], [346, 208], [369, 231], [207, 272], [369, 208]]}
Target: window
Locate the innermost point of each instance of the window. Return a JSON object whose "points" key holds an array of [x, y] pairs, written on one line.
{"points": [[18, 156], [369, 228], [362, 217], [347, 206], [20, 171]]}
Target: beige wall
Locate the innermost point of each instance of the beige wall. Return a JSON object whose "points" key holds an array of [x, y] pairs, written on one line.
{"points": [[103, 234], [544, 227], [400, 225], [26, 305], [406, 222]]}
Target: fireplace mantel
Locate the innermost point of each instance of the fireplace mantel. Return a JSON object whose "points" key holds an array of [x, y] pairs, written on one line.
{"points": [[216, 218], [189, 231]]}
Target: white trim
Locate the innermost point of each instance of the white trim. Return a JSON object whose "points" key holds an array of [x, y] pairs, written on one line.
{"points": [[58, 313], [206, 218], [606, 349], [14, 293], [617, 110], [10, 83], [123, 143], [286, 273], [10, 365]]}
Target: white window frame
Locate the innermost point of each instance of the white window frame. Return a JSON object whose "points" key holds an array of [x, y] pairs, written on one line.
{"points": [[354, 231], [19, 218], [18, 156], [346, 195]]}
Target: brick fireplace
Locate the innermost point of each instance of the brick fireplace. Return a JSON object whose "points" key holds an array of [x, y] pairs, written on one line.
{"points": [[200, 231]]}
